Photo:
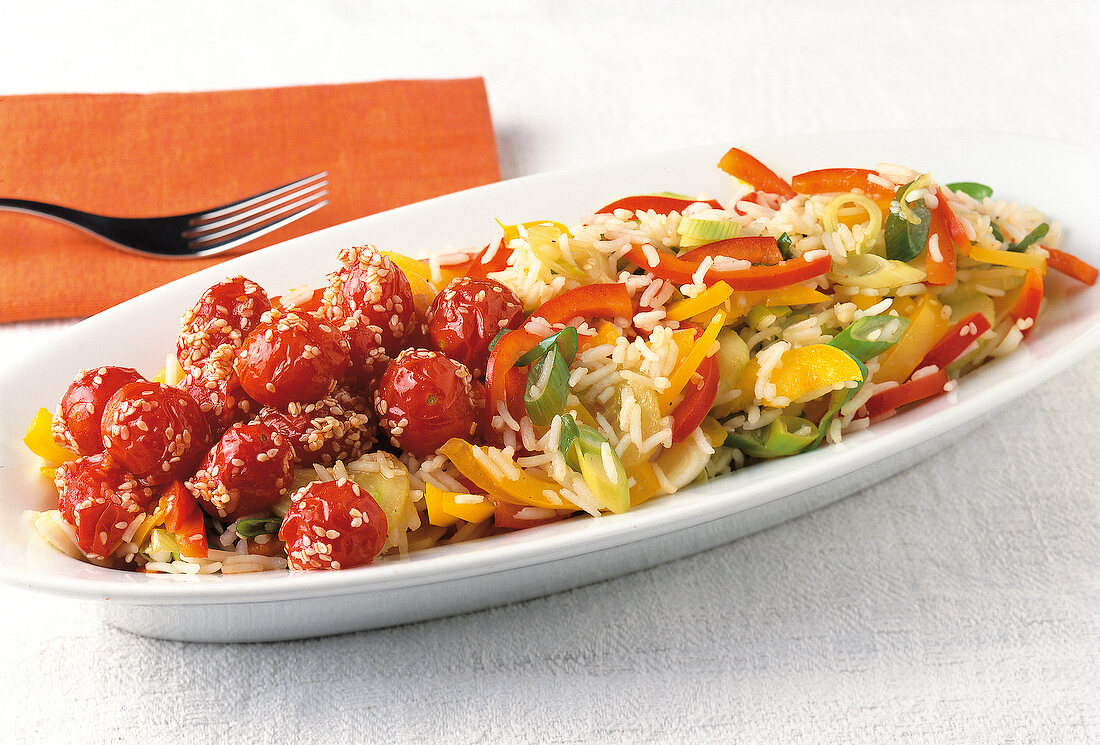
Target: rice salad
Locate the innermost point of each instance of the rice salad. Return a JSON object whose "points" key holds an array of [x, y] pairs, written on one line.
{"points": [[559, 372]]}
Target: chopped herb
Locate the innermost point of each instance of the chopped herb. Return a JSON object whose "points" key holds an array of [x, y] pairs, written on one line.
{"points": [[784, 241], [972, 188], [1037, 234], [258, 526]]}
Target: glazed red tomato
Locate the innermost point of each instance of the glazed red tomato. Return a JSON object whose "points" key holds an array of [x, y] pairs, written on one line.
{"points": [[291, 357], [224, 314], [101, 501], [333, 525], [338, 427], [155, 431], [372, 301], [76, 425], [214, 384], [247, 471], [424, 399], [464, 318]]}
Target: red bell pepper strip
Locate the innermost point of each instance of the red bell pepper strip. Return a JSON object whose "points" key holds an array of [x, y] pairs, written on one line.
{"points": [[183, 519], [755, 249], [660, 205], [956, 341], [913, 390], [697, 401], [741, 165], [1071, 266], [680, 271], [608, 301], [480, 269], [502, 361], [940, 266], [508, 515], [826, 180], [1027, 304], [954, 225]]}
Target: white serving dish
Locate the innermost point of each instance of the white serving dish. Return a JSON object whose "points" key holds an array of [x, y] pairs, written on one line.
{"points": [[1054, 176]]}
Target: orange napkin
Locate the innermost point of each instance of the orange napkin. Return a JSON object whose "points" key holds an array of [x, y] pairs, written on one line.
{"points": [[384, 144]]}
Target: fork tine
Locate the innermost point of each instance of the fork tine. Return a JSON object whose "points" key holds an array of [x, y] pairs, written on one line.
{"points": [[201, 229], [264, 196], [255, 228]]}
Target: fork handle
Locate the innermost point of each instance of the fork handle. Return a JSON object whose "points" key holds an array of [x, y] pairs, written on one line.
{"points": [[85, 220]]}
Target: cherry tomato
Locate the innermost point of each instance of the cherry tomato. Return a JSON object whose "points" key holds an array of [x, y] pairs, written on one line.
{"points": [[101, 501], [76, 425], [291, 357], [155, 431], [333, 525], [214, 384], [424, 399], [247, 471], [338, 427], [467, 315], [372, 301], [224, 314]]}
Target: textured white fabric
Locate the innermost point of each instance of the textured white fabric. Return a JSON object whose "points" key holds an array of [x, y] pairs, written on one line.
{"points": [[956, 603]]}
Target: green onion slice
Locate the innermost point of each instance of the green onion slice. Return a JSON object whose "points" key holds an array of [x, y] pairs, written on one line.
{"points": [[870, 336], [906, 239], [547, 388], [839, 398], [499, 335], [787, 435], [698, 231], [565, 340], [255, 526], [784, 241], [591, 454], [972, 188], [1037, 234]]}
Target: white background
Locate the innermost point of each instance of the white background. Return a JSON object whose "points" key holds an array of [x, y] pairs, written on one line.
{"points": [[956, 603]]}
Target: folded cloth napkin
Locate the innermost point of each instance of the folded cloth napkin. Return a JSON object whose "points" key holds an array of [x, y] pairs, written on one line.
{"points": [[383, 144]]}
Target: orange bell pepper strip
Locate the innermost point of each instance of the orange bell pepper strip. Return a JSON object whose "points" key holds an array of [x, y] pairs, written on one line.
{"points": [[926, 326], [760, 277], [183, 519], [940, 264], [756, 249], [954, 225], [1071, 266], [659, 204], [741, 165], [515, 487]]}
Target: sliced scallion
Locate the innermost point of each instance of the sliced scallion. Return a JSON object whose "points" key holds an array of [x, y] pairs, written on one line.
{"points": [[253, 527], [766, 315], [906, 239], [565, 340], [1035, 235], [697, 231], [972, 188], [547, 388], [786, 435], [996, 232], [870, 336], [784, 242], [591, 454], [874, 272], [839, 398]]}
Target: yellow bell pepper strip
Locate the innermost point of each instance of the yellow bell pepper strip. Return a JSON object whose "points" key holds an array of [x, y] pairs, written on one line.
{"points": [[39, 439], [740, 303], [433, 500], [409, 265], [645, 483], [513, 484], [836, 402], [690, 363], [711, 297], [803, 370], [606, 333], [999, 257], [926, 326], [445, 507]]}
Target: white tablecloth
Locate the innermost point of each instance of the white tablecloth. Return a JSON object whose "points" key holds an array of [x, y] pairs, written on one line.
{"points": [[958, 602]]}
